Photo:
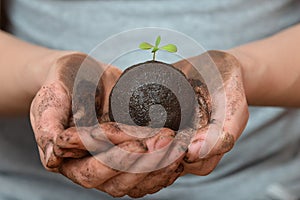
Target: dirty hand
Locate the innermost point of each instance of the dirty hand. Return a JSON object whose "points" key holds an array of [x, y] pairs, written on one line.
{"points": [[213, 135], [50, 112], [120, 161]]}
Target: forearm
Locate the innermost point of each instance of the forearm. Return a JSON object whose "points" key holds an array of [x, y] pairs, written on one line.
{"points": [[23, 68], [271, 69]]}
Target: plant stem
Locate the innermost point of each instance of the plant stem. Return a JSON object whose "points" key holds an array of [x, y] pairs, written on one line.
{"points": [[154, 55]]}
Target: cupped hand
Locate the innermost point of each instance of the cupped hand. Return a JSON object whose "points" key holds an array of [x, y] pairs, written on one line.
{"points": [[120, 161], [51, 109], [227, 116]]}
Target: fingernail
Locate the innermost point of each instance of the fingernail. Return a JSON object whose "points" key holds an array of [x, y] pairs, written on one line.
{"points": [[48, 152], [194, 149], [204, 150]]}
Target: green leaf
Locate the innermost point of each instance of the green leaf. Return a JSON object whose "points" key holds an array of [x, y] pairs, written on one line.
{"points": [[157, 41], [145, 46], [170, 48], [155, 49]]}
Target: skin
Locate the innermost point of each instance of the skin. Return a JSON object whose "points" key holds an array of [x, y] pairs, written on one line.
{"points": [[201, 162], [51, 109], [260, 71], [274, 65]]}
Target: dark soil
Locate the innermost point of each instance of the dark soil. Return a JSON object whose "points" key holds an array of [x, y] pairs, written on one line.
{"points": [[154, 94]]}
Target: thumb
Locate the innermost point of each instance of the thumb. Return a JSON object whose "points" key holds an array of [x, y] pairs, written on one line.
{"points": [[209, 141], [107, 82]]}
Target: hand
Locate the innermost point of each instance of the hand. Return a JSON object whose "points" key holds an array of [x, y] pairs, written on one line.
{"points": [[212, 140], [50, 111], [62, 149]]}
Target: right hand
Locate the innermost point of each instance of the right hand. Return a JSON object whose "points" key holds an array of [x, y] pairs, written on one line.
{"points": [[50, 111]]}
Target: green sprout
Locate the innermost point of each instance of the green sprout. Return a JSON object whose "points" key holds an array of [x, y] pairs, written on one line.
{"points": [[169, 47]]}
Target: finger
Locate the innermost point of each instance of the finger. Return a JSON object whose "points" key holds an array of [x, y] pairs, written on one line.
{"points": [[108, 79], [230, 113], [81, 138], [120, 185], [51, 160], [202, 167], [41, 153], [118, 133], [86, 71], [158, 146], [209, 141], [116, 187], [178, 147], [157, 180], [204, 108], [69, 153], [49, 115], [101, 136], [92, 171], [218, 137]]}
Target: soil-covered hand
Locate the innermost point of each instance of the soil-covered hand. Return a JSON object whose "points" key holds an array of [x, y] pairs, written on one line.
{"points": [[212, 140], [120, 160], [51, 110]]}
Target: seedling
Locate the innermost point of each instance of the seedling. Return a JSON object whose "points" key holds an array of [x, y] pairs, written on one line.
{"points": [[169, 47], [153, 93]]}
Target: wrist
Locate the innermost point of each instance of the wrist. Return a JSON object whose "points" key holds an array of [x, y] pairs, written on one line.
{"points": [[37, 70], [251, 71]]}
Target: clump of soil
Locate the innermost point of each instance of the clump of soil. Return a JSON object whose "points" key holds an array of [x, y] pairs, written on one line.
{"points": [[156, 94]]}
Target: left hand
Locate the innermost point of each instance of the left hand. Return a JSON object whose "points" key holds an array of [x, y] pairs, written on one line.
{"points": [[212, 140]]}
